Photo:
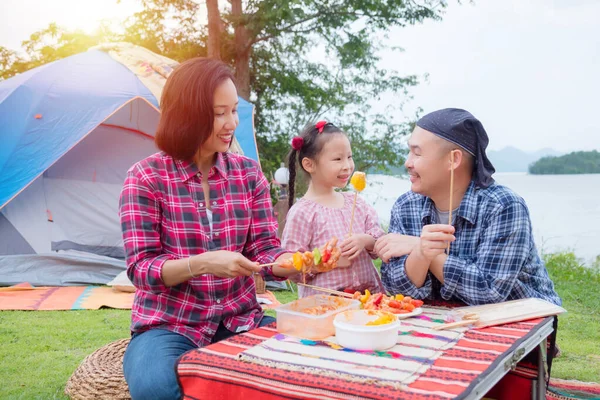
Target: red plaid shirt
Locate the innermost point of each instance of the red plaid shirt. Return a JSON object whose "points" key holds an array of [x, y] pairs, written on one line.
{"points": [[163, 217]]}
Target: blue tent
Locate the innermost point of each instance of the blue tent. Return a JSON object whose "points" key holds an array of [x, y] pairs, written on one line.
{"points": [[69, 130], [70, 97]]}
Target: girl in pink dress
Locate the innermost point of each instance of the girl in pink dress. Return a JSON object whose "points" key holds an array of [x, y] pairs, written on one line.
{"points": [[323, 152]]}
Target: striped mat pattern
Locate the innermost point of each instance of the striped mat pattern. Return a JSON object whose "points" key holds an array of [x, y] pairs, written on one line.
{"points": [[216, 371], [26, 297]]}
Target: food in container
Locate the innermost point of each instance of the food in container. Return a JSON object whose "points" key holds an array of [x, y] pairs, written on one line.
{"points": [[312, 317], [355, 329]]}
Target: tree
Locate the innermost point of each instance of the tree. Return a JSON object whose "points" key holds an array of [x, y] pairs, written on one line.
{"points": [[578, 162], [297, 61], [50, 44]]}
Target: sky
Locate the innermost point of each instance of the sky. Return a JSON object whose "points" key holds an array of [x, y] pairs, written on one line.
{"points": [[529, 70]]}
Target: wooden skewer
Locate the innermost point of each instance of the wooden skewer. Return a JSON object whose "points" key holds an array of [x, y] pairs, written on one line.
{"points": [[451, 192], [353, 208], [456, 324], [303, 274], [330, 291], [268, 265]]}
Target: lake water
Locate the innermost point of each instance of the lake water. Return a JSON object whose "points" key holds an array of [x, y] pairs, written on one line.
{"points": [[565, 209]]}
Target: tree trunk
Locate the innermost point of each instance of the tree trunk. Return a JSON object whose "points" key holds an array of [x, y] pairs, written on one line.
{"points": [[214, 29], [242, 51]]}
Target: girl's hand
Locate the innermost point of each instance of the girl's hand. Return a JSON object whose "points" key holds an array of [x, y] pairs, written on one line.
{"points": [[353, 245], [223, 264], [344, 262]]}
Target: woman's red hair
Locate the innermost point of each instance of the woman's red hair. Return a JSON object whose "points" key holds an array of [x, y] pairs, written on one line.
{"points": [[187, 113]]}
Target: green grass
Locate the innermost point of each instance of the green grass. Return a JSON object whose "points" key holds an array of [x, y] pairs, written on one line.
{"points": [[579, 328], [39, 350]]}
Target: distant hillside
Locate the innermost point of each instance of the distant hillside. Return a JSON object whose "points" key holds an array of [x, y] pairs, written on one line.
{"points": [[511, 159], [399, 170], [579, 162]]}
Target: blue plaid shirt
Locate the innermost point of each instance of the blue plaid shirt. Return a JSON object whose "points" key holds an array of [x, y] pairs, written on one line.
{"points": [[493, 259]]}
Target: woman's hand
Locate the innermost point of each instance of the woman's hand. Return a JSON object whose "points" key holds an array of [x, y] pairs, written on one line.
{"points": [[353, 245], [224, 264]]}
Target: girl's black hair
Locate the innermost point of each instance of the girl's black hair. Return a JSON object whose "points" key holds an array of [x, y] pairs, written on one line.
{"points": [[312, 145]]}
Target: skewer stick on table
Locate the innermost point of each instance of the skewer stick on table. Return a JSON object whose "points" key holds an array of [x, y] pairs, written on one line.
{"points": [[325, 290]]}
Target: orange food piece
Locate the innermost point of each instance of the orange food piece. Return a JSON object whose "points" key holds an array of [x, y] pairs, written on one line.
{"points": [[407, 299], [395, 304], [417, 303], [408, 306], [359, 181]]}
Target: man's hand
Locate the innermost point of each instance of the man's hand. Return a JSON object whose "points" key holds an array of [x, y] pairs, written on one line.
{"points": [[224, 264], [434, 240], [395, 245]]}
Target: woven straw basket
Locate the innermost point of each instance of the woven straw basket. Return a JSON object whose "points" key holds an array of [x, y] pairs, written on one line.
{"points": [[100, 375]]}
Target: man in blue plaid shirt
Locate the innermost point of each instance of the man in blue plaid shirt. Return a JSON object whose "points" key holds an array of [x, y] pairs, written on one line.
{"points": [[492, 256]]}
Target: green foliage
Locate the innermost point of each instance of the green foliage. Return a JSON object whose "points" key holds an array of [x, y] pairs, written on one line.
{"points": [[578, 329], [47, 45], [579, 162], [308, 60], [41, 349]]}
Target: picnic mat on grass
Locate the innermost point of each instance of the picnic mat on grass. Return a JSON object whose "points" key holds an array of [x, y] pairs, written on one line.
{"points": [[561, 389], [217, 372], [267, 300], [26, 297]]}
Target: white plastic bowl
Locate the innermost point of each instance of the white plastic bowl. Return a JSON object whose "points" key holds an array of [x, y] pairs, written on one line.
{"points": [[352, 332]]}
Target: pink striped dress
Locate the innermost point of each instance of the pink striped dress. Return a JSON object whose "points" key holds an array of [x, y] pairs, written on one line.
{"points": [[310, 224]]}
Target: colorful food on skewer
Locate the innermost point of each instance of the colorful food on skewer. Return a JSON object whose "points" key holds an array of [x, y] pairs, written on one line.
{"points": [[322, 259], [359, 183]]}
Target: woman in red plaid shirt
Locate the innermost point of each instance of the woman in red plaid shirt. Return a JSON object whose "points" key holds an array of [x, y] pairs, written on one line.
{"points": [[196, 222]]}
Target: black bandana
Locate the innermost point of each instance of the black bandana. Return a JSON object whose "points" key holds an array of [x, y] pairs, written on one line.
{"points": [[464, 130]]}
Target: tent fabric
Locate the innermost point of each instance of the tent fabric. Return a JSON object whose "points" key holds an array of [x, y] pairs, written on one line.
{"points": [[70, 130], [71, 97], [69, 268], [153, 70]]}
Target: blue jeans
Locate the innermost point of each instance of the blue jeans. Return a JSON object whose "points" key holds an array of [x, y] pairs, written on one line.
{"points": [[150, 358]]}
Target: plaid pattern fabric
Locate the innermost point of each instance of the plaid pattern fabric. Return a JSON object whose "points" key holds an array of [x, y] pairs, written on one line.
{"points": [[309, 225], [493, 259], [163, 217]]}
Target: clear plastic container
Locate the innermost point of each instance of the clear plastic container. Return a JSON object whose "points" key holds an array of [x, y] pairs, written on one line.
{"points": [[293, 320]]}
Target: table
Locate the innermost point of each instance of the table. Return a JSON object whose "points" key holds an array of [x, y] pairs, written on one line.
{"points": [[466, 371]]}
